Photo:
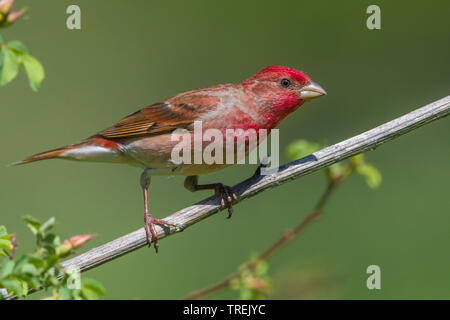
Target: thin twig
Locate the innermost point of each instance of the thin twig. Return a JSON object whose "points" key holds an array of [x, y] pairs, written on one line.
{"points": [[285, 238], [13, 246], [186, 217]]}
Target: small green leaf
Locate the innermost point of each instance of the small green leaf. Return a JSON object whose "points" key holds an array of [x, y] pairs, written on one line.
{"points": [[17, 46], [6, 237], [246, 293], [261, 268], [88, 294], [5, 244], [33, 224], [64, 293], [30, 269], [34, 283], [357, 159], [3, 231], [20, 263], [3, 253], [335, 171], [301, 148], [53, 280], [24, 288], [91, 289], [37, 262], [50, 238], [47, 225], [13, 286], [9, 65], [33, 69], [7, 268], [50, 249], [93, 285], [370, 173]]}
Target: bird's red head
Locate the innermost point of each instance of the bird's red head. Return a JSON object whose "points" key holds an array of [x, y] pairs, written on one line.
{"points": [[279, 91]]}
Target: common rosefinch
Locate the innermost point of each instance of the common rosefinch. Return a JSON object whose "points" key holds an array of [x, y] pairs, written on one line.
{"points": [[145, 138]]}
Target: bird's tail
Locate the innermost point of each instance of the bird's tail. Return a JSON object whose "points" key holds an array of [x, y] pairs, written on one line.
{"points": [[51, 154], [93, 149]]}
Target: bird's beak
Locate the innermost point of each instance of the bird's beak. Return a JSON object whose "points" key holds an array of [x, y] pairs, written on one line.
{"points": [[311, 91]]}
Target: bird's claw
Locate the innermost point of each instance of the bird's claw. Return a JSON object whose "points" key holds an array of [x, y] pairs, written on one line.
{"points": [[150, 232], [227, 196]]}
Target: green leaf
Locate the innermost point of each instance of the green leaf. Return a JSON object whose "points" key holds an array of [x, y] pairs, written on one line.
{"points": [[261, 268], [37, 262], [6, 237], [33, 69], [14, 286], [52, 260], [54, 280], [88, 294], [47, 225], [28, 268], [33, 224], [9, 65], [24, 288], [34, 283], [7, 268], [3, 231], [370, 173], [357, 159], [91, 289], [50, 249], [246, 293], [17, 46], [5, 244], [64, 293], [20, 263], [335, 170], [301, 148], [3, 253], [50, 238]]}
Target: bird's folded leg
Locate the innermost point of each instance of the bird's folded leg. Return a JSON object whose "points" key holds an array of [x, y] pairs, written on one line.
{"points": [[225, 193]]}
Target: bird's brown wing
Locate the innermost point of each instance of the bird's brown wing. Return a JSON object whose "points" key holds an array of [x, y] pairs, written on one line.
{"points": [[158, 118]]}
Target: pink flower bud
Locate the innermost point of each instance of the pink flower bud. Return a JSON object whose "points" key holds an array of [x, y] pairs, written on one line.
{"points": [[5, 6], [13, 16], [77, 241]]}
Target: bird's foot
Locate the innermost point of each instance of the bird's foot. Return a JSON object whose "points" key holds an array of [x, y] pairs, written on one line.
{"points": [[150, 223], [227, 196]]}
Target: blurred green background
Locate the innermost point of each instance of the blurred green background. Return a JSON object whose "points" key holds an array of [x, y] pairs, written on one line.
{"points": [[130, 54]]}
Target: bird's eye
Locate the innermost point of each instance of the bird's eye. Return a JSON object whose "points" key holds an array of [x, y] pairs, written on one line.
{"points": [[285, 82]]}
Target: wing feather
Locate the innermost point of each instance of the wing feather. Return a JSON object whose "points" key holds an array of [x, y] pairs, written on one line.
{"points": [[158, 118]]}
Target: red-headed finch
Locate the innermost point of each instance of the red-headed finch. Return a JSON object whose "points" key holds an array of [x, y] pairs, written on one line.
{"points": [[145, 138]]}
